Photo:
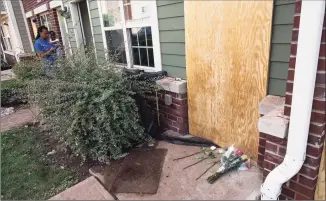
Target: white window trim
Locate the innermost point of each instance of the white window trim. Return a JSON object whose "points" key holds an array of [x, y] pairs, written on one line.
{"points": [[153, 23], [9, 52], [55, 3], [41, 9], [29, 14], [48, 22]]}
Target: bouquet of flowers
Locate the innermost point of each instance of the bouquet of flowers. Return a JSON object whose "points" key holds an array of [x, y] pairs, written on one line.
{"points": [[232, 159]]}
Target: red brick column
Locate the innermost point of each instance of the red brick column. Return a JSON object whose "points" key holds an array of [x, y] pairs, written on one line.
{"points": [[175, 116], [30, 27], [302, 185], [55, 24], [261, 150]]}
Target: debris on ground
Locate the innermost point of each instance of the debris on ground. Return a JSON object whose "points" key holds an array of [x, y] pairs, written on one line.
{"points": [[7, 111], [209, 153], [232, 159], [51, 152]]}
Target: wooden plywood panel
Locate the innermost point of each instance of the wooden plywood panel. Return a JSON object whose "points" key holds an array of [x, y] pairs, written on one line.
{"points": [[227, 48], [321, 187]]}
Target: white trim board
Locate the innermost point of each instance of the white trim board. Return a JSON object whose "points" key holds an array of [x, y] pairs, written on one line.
{"points": [[29, 14], [54, 3], [40, 9], [66, 33]]}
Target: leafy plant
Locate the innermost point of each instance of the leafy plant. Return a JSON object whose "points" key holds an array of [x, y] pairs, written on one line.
{"points": [[91, 106], [28, 69]]}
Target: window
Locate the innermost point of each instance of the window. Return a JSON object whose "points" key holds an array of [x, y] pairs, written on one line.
{"points": [[131, 32], [45, 20], [5, 37]]}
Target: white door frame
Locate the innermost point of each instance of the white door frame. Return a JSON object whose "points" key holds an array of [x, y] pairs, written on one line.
{"points": [[77, 22]]}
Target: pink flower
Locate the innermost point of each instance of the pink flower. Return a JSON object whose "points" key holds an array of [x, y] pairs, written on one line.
{"points": [[238, 153]]}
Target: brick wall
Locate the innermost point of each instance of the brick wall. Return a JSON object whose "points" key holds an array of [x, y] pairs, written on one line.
{"points": [[32, 4], [174, 117], [272, 149], [30, 27], [55, 24]]}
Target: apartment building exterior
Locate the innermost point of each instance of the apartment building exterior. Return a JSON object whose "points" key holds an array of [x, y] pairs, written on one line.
{"points": [[212, 98]]}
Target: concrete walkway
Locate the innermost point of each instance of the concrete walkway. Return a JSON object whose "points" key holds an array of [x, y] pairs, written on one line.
{"points": [[7, 75], [179, 184], [18, 118], [89, 189]]}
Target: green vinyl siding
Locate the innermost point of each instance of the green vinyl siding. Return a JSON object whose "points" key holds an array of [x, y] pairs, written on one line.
{"points": [[172, 37], [282, 27]]}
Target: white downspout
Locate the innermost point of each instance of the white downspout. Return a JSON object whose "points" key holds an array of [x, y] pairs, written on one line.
{"points": [[310, 30]]}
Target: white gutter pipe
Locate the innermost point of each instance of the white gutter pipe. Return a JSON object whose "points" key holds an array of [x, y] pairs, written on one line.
{"points": [[310, 30]]}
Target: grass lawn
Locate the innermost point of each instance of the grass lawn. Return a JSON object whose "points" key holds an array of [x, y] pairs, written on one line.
{"points": [[26, 170]]}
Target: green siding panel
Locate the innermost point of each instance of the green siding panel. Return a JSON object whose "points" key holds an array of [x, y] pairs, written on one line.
{"points": [[283, 2], [172, 36], [96, 21], [97, 30], [280, 52], [278, 70], [173, 48], [93, 5], [73, 44], [175, 71], [276, 87], [283, 14], [95, 13], [98, 38], [281, 33], [171, 10], [174, 60], [167, 2], [99, 46], [176, 23]]}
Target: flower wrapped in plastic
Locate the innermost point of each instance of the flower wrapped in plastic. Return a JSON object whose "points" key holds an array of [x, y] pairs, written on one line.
{"points": [[232, 159]]}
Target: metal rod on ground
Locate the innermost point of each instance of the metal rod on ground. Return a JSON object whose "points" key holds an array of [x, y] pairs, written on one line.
{"points": [[207, 170], [195, 163], [187, 156]]}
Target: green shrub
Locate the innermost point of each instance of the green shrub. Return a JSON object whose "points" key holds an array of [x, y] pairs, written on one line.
{"points": [[28, 69], [90, 106], [13, 92]]}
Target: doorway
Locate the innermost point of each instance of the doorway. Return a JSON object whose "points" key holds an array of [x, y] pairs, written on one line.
{"points": [[82, 23], [85, 23], [227, 69]]}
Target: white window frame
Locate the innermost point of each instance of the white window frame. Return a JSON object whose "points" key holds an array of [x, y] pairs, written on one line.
{"points": [[46, 19], [153, 23], [6, 38]]}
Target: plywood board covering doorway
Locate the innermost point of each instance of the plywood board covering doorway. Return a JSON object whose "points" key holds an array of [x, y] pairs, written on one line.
{"points": [[227, 48]]}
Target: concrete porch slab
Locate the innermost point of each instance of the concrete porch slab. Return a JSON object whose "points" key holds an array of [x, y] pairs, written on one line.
{"points": [[179, 184], [89, 189]]}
